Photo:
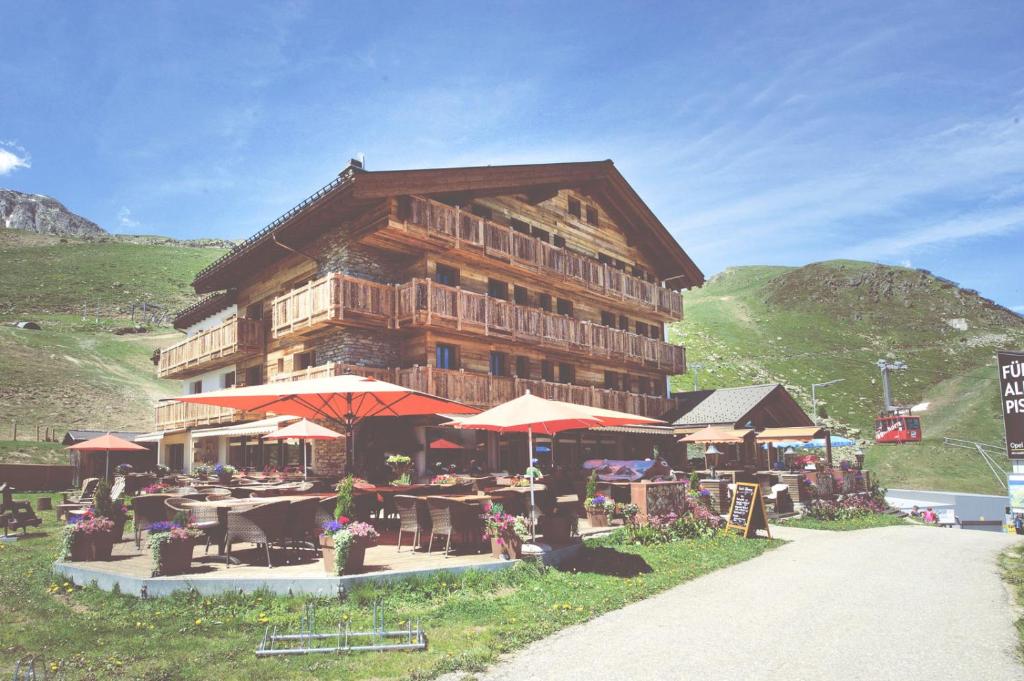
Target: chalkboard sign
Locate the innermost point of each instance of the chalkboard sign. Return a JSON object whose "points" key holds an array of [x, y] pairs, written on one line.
{"points": [[747, 513]]}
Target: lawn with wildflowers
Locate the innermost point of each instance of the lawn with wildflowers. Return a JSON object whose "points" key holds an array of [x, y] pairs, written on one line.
{"points": [[470, 618]]}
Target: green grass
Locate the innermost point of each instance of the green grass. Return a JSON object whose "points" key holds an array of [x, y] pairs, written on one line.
{"points": [[78, 374], [42, 275], [1011, 563], [470, 619], [862, 523], [28, 451], [798, 326]]}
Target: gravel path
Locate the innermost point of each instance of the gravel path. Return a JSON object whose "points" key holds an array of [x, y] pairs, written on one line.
{"points": [[901, 603]]}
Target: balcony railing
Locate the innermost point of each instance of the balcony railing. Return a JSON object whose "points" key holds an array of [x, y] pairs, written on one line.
{"points": [[484, 390], [330, 300], [422, 301], [334, 369], [466, 230], [179, 415], [218, 346]]}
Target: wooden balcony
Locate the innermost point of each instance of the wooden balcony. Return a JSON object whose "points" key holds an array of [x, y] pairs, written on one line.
{"points": [[484, 390], [330, 300], [334, 369], [424, 302], [180, 415], [464, 230], [215, 347]]}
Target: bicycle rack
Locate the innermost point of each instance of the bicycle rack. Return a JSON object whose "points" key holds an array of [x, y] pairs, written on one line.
{"points": [[343, 640]]}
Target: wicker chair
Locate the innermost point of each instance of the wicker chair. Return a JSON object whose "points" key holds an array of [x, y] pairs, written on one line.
{"points": [[467, 524], [262, 525], [409, 518], [440, 523], [148, 509], [325, 510], [300, 525]]}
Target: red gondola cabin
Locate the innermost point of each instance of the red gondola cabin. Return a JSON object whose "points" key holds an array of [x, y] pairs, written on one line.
{"points": [[897, 428]]}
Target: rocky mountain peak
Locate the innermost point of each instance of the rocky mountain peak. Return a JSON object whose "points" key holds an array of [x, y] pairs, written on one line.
{"points": [[42, 215]]}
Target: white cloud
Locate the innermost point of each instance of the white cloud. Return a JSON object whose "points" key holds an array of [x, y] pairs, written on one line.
{"points": [[125, 219], [12, 157]]}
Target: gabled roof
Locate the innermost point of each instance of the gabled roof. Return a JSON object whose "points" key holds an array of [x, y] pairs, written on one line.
{"points": [[203, 308], [732, 406], [75, 436], [355, 189]]}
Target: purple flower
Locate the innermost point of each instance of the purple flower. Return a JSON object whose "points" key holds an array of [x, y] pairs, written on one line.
{"points": [[162, 526], [332, 526], [598, 499], [704, 493]]}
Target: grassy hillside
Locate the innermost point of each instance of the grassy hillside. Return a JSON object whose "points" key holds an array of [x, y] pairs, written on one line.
{"points": [[834, 320], [75, 372]]}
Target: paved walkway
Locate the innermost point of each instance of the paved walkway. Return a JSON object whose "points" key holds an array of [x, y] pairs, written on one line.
{"points": [[900, 603]]}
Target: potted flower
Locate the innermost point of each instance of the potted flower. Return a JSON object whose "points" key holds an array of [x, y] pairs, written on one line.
{"points": [[400, 464], [344, 543], [224, 472], [507, 532], [87, 537], [162, 470], [114, 510], [202, 471], [598, 508], [171, 545]]}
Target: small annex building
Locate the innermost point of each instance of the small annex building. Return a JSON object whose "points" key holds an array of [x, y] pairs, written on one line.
{"points": [[740, 421]]}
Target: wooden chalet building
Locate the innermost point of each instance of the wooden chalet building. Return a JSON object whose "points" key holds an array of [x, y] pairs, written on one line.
{"points": [[475, 284]]}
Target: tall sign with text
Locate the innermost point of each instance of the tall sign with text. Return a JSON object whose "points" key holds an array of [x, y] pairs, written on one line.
{"points": [[1011, 389]]}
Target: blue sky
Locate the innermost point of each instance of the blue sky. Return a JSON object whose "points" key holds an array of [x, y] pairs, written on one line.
{"points": [[779, 133]]}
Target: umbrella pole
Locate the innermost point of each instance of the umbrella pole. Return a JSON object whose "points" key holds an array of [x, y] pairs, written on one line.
{"points": [[106, 475], [529, 465], [303, 459]]}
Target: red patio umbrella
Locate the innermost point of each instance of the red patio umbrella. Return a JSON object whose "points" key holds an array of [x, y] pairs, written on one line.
{"points": [[303, 430], [107, 443], [345, 400], [441, 443]]}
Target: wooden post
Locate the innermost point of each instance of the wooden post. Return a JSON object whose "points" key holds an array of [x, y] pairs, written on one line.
{"points": [[14, 425], [828, 448]]}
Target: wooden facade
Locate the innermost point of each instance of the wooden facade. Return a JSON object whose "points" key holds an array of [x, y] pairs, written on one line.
{"points": [[475, 284]]}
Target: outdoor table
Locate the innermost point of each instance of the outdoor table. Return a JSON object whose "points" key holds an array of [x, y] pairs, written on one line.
{"points": [[464, 498], [223, 506]]}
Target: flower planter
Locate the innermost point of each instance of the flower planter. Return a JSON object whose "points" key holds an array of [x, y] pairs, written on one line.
{"points": [[81, 548], [101, 545], [556, 530], [597, 519], [118, 532], [175, 557], [508, 549], [354, 562]]}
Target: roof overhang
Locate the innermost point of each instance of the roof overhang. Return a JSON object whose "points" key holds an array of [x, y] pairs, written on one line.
{"points": [[796, 433], [722, 436], [251, 428], [353, 191]]}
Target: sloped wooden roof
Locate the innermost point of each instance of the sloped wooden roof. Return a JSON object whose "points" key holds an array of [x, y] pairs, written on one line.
{"points": [[355, 190], [733, 407]]}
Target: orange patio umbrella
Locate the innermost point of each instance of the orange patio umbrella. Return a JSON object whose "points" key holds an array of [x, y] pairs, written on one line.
{"points": [[303, 430], [346, 400], [107, 443]]}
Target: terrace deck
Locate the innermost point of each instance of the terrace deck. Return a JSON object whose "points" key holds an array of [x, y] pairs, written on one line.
{"points": [[131, 569]]}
